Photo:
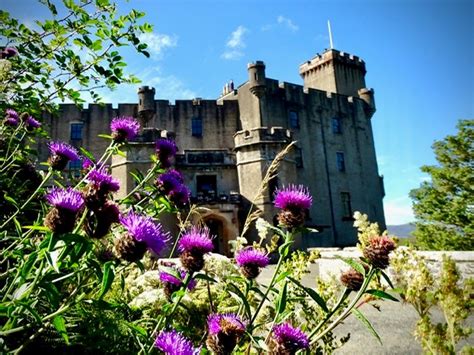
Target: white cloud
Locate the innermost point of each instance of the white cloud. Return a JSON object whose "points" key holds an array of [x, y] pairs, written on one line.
{"points": [[282, 20], [235, 44], [158, 42], [398, 210]]}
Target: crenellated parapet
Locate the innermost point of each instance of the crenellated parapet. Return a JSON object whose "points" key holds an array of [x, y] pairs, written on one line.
{"points": [[262, 135], [319, 61]]}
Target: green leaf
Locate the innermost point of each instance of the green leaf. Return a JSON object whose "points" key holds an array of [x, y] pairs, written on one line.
{"points": [[311, 293], [284, 249], [382, 294], [37, 228], [25, 270], [107, 278], [385, 276], [205, 277], [107, 136], [86, 153], [366, 322], [60, 326], [354, 264], [239, 296], [281, 302]]}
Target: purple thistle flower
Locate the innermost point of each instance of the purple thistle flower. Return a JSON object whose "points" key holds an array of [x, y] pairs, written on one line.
{"points": [[174, 343], [216, 322], [252, 256], [9, 52], [166, 150], [68, 199], [12, 113], [290, 338], [103, 180], [169, 181], [32, 123], [180, 195], [124, 128], [166, 277], [293, 197], [11, 121], [64, 150], [144, 229], [87, 163], [196, 240]]}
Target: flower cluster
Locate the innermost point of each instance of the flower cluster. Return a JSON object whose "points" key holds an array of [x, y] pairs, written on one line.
{"points": [[173, 343], [250, 261], [224, 332], [61, 154], [288, 339], [11, 118], [100, 184], [124, 129], [193, 245], [294, 202], [143, 233], [66, 204], [165, 151], [31, 123], [172, 282]]}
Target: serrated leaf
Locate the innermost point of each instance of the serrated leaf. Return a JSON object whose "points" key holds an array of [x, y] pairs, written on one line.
{"points": [[60, 326], [366, 322], [381, 294], [354, 264]]}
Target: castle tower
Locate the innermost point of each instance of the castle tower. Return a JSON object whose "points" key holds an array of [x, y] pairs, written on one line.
{"points": [[334, 71], [146, 104], [257, 78]]}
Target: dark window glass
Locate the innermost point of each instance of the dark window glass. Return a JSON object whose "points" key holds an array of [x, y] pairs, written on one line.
{"points": [[294, 119], [346, 205], [336, 125], [341, 165], [272, 187], [196, 126], [75, 165], [76, 131], [299, 157]]}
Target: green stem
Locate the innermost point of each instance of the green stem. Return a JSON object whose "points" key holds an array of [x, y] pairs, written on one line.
{"points": [[273, 322], [107, 153], [344, 314], [46, 178], [148, 176]]}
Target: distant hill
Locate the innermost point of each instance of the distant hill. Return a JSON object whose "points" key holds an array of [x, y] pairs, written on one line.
{"points": [[401, 230]]}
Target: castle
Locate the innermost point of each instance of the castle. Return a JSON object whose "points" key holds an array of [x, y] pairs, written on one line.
{"points": [[226, 145]]}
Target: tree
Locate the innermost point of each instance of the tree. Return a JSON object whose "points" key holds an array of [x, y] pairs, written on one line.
{"points": [[444, 206]]}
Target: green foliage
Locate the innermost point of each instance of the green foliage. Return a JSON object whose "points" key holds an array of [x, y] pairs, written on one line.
{"points": [[444, 206], [425, 290], [75, 50]]}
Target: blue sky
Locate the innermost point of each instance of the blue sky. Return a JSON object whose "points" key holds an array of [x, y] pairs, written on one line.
{"points": [[419, 56]]}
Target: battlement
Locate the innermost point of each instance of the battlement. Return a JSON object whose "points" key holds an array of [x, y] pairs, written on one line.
{"points": [[146, 88], [262, 135], [332, 55]]}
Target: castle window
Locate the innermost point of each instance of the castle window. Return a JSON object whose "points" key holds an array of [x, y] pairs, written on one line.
{"points": [[75, 165], [272, 187], [206, 187], [346, 205], [196, 126], [341, 165], [294, 119], [299, 157], [336, 125], [76, 131]]}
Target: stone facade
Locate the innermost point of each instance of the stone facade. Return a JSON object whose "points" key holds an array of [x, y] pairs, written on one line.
{"points": [[226, 145]]}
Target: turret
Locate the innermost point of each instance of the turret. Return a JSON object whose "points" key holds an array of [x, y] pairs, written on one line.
{"points": [[334, 71], [257, 78], [368, 96], [146, 104]]}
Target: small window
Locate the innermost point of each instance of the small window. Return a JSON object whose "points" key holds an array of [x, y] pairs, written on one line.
{"points": [[346, 205], [299, 157], [76, 131], [336, 125], [341, 165], [196, 126], [75, 165], [272, 187], [294, 119]]}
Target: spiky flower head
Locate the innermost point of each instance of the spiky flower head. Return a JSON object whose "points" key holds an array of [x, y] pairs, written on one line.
{"points": [[378, 250], [174, 343], [10, 121], [87, 163], [31, 123], [193, 245], [68, 199], [294, 202], [169, 181], [289, 339], [250, 261], [9, 52], [224, 332], [106, 215], [352, 279], [11, 113], [61, 154], [180, 195], [66, 203], [144, 229], [166, 150], [173, 280], [124, 128], [103, 180]]}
